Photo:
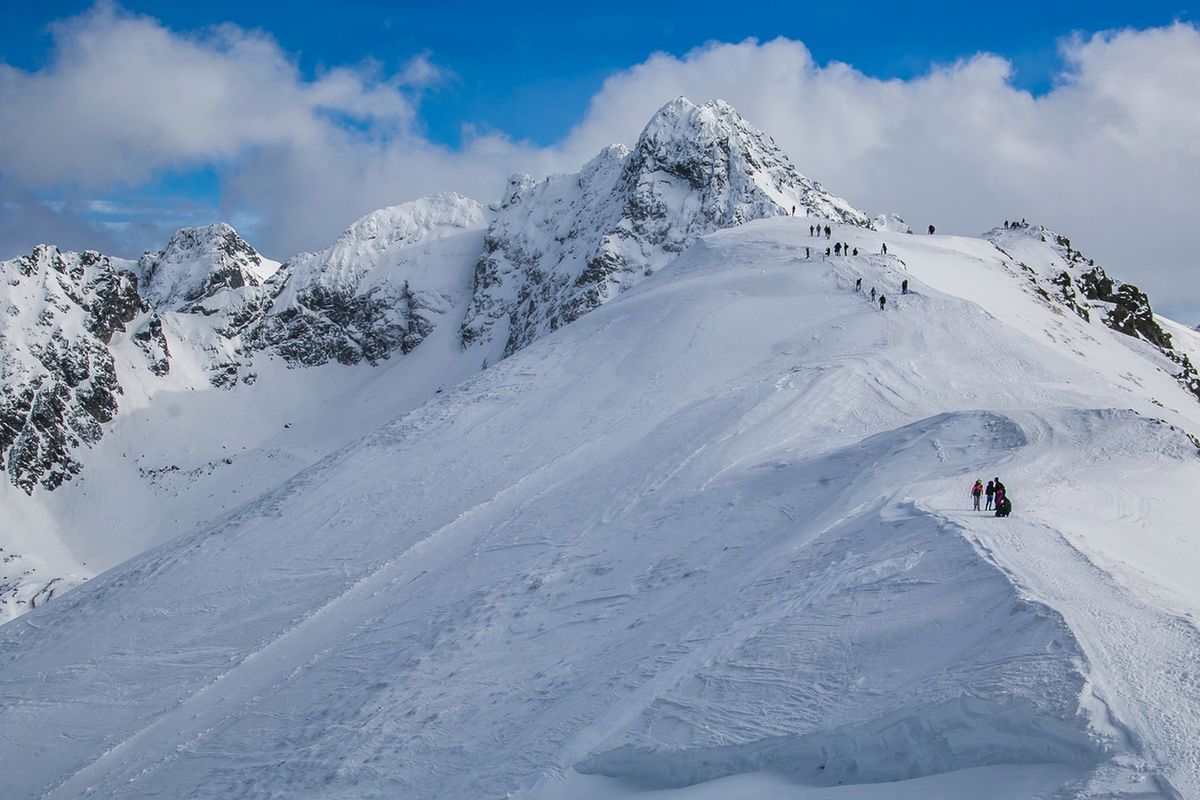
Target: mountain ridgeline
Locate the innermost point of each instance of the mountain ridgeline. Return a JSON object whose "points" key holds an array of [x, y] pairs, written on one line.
{"points": [[77, 328]]}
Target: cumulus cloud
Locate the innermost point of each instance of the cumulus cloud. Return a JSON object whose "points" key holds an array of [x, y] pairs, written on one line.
{"points": [[1109, 155]]}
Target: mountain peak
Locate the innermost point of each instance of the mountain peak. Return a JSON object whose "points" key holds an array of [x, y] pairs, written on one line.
{"points": [[564, 245], [681, 117], [200, 261]]}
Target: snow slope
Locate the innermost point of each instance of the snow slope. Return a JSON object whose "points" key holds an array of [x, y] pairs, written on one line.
{"points": [[710, 539]]}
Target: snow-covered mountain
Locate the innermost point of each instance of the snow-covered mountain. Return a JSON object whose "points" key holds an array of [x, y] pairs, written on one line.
{"points": [[562, 246], [710, 539], [110, 368]]}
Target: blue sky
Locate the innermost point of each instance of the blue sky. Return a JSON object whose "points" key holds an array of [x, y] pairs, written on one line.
{"points": [[529, 69], [308, 115]]}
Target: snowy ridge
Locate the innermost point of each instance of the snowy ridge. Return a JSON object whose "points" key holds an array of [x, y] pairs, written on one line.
{"points": [[714, 531], [563, 246]]}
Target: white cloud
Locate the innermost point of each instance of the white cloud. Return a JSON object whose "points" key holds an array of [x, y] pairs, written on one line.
{"points": [[1110, 155]]}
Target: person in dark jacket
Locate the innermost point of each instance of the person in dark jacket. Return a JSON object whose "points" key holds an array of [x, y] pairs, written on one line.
{"points": [[872, 294], [810, 230], [988, 492], [1004, 507], [931, 230], [883, 248], [828, 231], [858, 285], [882, 302], [856, 251], [837, 249], [904, 286]]}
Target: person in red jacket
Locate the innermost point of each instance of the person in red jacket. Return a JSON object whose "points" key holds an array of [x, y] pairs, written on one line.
{"points": [[976, 491]]}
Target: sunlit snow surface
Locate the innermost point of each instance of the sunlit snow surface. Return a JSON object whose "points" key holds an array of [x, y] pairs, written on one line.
{"points": [[710, 540]]}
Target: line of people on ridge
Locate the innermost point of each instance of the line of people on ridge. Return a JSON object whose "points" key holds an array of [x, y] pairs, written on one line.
{"points": [[996, 494], [882, 298]]}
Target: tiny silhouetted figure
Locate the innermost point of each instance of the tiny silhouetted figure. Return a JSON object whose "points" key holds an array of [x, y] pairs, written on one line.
{"points": [[858, 285], [807, 254], [827, 252], [856, 251], [884, 250], [931, 230], [837, 249], [904, 286], [828, 231], [810, 230], [1005, 223], [882, 302], [1024, 224], [872, 294], [793, 211]]}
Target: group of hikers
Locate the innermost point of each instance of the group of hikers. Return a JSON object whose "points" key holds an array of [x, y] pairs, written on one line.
{"points": [[844, 249], [996, 494]]}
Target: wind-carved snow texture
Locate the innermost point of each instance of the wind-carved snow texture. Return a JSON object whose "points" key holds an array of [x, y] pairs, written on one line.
{"points": [[562, 246]]}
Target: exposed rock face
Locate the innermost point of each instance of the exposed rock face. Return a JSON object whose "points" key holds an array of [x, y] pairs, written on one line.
{"points": [[562, 246], [58, 381], [383, 287], [1085, 288]]}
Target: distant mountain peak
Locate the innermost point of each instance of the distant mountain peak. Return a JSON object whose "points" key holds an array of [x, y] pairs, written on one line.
{"points": [[198, 262]]}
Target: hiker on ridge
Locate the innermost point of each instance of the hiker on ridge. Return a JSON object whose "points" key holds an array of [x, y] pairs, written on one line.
{"points": [[858, 285], [931, 230], [904, 286], [976, 491], [988, 492], [882, 302]]}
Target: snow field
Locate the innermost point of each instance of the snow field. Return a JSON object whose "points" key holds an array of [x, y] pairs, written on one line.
{"points": [[706, 539]]}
